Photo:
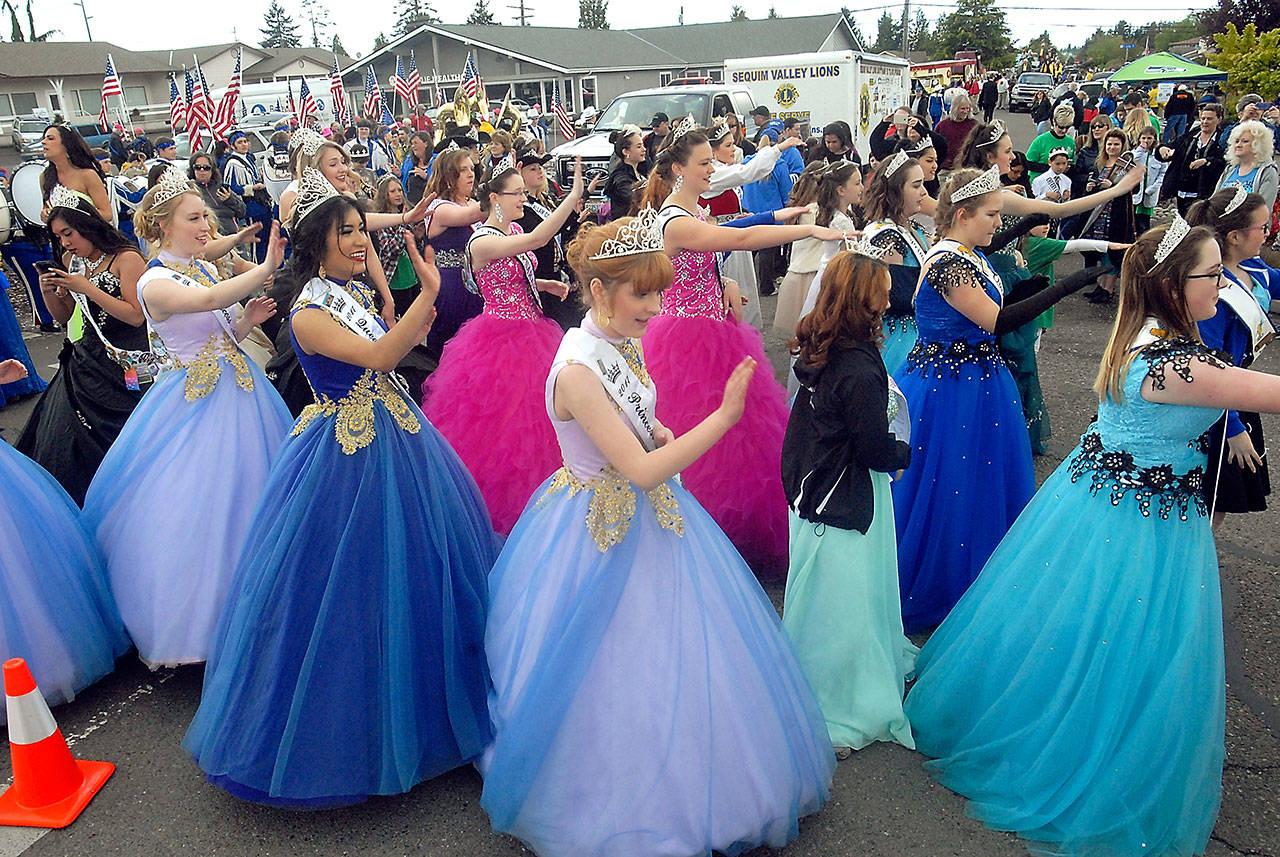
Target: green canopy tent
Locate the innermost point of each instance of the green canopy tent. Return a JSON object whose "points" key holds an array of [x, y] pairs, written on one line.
{"points": [[1165, 66]]}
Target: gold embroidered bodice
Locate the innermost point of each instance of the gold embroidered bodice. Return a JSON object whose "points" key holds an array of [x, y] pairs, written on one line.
{"points": [[354, 427], [613, 504], [205, 370]]}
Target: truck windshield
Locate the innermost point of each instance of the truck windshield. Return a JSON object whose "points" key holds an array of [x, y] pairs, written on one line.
{"points": [[32, 126], [639, 109], [1045, 80]]}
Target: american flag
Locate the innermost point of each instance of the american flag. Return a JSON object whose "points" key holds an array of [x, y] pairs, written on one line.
{"points": [[399, 83], [339, 95], [387, 120], [177, 104], [372, 95], [470, 77], [193, 129], [225, 117], [440, 99], [110, 86], [306, 104], [557, 107], [415, 82], [202, 105], [293, 106]]}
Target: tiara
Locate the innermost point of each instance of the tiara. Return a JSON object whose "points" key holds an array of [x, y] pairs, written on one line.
{"points": [[313, 189], [639, 235], [1061, 150], [988, 182], [686, 125], [895, 163], [506, 165], [997, 131], [1236, 201], [63, 197], [1178, 230], [173, 183], [306, 139], [862, 245], [718, 130], [919, 146]]}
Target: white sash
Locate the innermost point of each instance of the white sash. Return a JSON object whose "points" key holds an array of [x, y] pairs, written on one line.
{"points": [[1250, 312], [350, 312], [980, 264], [634, 399], [1152, 331], [909, 235], [157, 270]]}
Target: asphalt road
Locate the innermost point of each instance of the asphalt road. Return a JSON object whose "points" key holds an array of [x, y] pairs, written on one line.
{"points": [[883, 804]]}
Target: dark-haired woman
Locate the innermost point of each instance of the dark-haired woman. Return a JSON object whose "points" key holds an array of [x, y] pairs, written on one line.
{"points": [[349, 660], [485, 397], [698, 339], [895, 196], [1237, 480], [228, 207], [842, 609], [837, 144], [415, 171], [544, 197], [72, 165], [626, 171], [87, 402]]}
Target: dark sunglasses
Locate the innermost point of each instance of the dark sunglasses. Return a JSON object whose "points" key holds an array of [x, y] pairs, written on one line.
{"points": [[202, 167]]}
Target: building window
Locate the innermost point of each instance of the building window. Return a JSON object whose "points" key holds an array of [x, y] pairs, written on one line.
{"points": [[567, 92], [88, 102], [24, 103], [55, 103], [135, 96], [664, 78], [6, 106], [716, 74], [588, 85]]}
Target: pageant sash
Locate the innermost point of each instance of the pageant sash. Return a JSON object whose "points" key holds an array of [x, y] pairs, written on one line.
{"points": [[633, 398]]}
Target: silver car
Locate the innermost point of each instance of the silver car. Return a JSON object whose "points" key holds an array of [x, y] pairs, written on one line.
{"points": [[28, 133]]}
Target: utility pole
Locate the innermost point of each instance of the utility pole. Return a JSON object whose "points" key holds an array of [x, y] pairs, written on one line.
{"points": [[523, 12], [906, 23], [84, 12]]}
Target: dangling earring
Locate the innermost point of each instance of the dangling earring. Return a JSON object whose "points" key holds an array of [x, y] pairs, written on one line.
{"points": [[679, 183], [497, 212], [601, 319]]}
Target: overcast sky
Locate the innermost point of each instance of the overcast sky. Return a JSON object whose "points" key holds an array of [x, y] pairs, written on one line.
{"points": [[136, 24]]}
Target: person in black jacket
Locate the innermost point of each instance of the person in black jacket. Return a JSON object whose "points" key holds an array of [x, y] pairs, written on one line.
{"points": [[544, 196], [842, 609], [988, 97], [1196, 161], [627, 168]]}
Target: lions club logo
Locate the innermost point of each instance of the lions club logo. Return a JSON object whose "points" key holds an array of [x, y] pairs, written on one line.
{"points": [[787, 95], [864, 107]]}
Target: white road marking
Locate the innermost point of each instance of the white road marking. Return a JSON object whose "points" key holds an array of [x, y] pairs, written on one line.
{"points": [[15, 840]]}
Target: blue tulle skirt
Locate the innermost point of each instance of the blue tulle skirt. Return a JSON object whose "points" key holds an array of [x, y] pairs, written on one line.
{"points": [[55, 608], [646, 700], [172, 502], [13, 346], [1076, 694], [970, 476], [900, 334], [350, 659]]}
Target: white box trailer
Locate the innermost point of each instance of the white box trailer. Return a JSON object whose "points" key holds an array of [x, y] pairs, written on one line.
{"points": [[819, 88]]}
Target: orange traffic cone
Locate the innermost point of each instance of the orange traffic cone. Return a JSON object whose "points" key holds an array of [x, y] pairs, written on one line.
{"points": [[50, 787]]}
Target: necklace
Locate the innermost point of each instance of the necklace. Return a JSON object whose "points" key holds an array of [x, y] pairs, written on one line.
{"points": [[631, 354]]}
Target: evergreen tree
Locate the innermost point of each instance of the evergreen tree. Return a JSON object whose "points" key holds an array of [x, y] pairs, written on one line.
{"points": [[338, 48], [1263, 14], [737, 13], [279, 31], [316, 17], [975, 26], [918, 37], [888, 33], [380, 41], [773, 12], [481, 14], [412, 14], [593, 14]]}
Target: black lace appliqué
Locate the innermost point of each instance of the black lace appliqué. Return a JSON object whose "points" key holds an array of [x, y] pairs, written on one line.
{"points": [[895, 323], [1155, 488], [888, 239], [951, 272], [935, 358], [1177, 354], [1200, 444]]}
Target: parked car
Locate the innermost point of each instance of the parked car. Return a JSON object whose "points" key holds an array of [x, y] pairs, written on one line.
{"points": [[638, 108], [27, 133], [1024, 91]]}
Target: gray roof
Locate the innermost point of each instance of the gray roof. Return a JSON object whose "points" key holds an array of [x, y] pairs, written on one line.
{"points": [[281, 57], [68, 59], [690, 45]]}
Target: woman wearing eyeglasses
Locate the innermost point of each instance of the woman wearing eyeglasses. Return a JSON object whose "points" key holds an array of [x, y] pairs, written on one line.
{"points": [[228, 207], [486, 396]]}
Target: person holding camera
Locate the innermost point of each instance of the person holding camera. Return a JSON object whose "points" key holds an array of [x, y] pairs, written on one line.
{"points": [[241, 174]]}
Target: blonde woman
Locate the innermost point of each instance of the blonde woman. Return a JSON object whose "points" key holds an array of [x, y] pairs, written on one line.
{"points": [[1250, 149]]}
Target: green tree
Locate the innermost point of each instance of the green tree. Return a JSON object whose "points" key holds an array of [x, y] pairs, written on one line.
{"points": [[919, 36], [1250, 59], [338, 48], [481, 14], [773, 12], [412, 14], [316, 16], [380, 41], [888, 33], [975, 26], [593, 14], [737, 13], [1263, 14], [278, 29]]}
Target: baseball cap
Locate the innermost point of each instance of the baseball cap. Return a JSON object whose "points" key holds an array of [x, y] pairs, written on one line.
{"points": [[761, 111]]}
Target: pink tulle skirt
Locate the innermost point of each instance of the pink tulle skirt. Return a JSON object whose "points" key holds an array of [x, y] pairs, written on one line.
{"points": [[486, 398], [739, 480]]}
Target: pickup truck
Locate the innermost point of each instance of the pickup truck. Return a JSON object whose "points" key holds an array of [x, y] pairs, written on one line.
{"points": [[705, 103], [1024, 91]]}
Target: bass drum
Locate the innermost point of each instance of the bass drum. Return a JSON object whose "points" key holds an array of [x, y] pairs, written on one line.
{"points": [[6, 221], [24, 185]]}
